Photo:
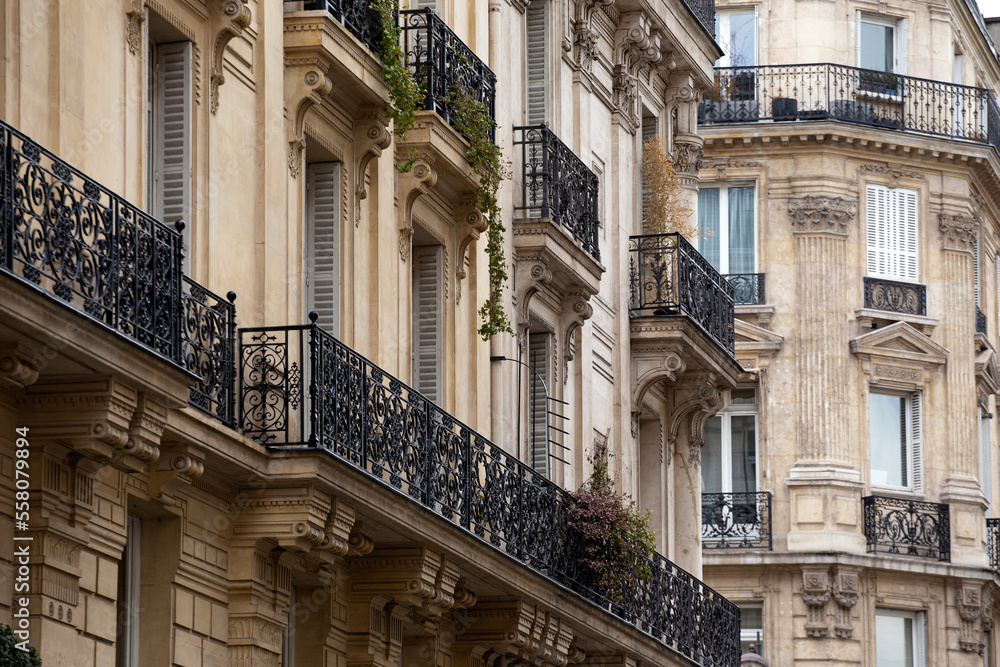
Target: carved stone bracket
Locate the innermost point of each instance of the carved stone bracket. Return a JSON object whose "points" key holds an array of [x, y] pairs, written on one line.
{"points": [[372, 136], [411, 186], [134, 19], [178, 466], [579, 310], [470, 224], [584, 47], [822, 214], [700, 400], [968, 598], [18, 365], [515, 632], [624, 94], [143, 445], [845, 593], [306, 82], [637, 43], [959, 233], [815, 593], [228, 20], [530, 277]]}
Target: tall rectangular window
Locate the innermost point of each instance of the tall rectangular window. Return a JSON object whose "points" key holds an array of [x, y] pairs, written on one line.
{"points": [[726, 218], [900, 638], [540, 361], [892, 233], [751, 628], [729, 457], [881, 43], [169, 126], [428, 320], [536, 20], [894, 423], [128, 607], [323, 243], [736, 32]]}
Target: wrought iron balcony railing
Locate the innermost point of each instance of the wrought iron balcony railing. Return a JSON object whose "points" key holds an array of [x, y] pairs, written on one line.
{"points": [[748, 288], [358, 16], [301, 388], [906, 298], [829, 91], [668, 277], [907, 527], [993, 542], [558, 185], [736, 520], [443, 64], [704, 11], [78, 242], [980, 321]]}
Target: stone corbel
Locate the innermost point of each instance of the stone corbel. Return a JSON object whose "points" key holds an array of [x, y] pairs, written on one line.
{"points": [[959, 233], [134, 18], [702, 400], [178, 466], [18, 366], [143, 445], [375, 632], [228, 19], [578, 310], [688, 151], [512, 631], [306, 82], [819, 214], [637, 43], [418, 578], [411, 186], [372, 136], [845, 593], [303, 520], [530, 275], [815, 593], [623, 96], [968, 598], [470, 224]]}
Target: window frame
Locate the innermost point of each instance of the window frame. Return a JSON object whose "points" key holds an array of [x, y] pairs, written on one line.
{"points": [[914, 441], [726, 444], [919, 633], [724, 240], [899, 37], [723, 25], [872, 230]]}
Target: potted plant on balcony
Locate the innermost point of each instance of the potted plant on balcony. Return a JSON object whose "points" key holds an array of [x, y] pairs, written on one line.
{"points": [[816, 113], [784, 108], [885, 83]]}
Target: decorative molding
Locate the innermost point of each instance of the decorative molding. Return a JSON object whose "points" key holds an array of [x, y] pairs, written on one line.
{"points": [[959, 233], [18, 365], [845, 593], [816, 592], [134, 19], [179, 465], [411, 186], [229, 18], [893, 173], [306, 82], [585, 47], [968, 598], [372, 136], [822, 214], [637, 43], [623, 98]]}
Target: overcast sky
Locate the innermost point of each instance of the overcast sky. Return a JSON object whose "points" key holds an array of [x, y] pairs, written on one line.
{"points": [[989, 7]]}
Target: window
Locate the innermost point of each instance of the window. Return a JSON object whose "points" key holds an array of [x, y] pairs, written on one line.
{"points": [[900, 638], [428, 318], [729, 457], [536, 56], [895, 443], [127, 640], [891, 228], [322, 212], [751, 628], [540, 360], [881, 44], [736, 33], [288, 634], [726, 218]]}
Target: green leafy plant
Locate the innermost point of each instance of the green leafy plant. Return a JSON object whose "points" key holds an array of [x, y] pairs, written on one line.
{"points": [[405, 94], [615, 542], [472, 120], [11, 656]]}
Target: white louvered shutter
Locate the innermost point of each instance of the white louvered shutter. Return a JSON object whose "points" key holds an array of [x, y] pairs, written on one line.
{"points": [[428, 316], [536, 54], [985, 474], [916, 443], [172, 132], [323, 243], [539, 358], [891, 233]]}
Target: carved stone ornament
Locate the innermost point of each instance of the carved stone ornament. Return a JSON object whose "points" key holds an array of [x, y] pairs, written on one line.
{"points": [[687, 157], [133, 26], [968, 597], [958, 232], [637, 43], [892, 172], [624, 95], [229, 20], [816, 593], [821, 214], [585, 45], [845, 593]]}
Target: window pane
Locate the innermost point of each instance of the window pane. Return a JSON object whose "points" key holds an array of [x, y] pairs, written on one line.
{"points": [[876, 47], [708, 223], [742, 46], [743, 397], [751, 628], [893, 641], [886, 415], [744, 434], [741, 230], [711, 457]]}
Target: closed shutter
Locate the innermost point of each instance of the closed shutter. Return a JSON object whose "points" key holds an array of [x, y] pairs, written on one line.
{"points": [[428, 315], [172, 132], [539, 358], [975, 268], [536, 54], [323, 249], [425, 4], [985, 475], [648, 132], [891, 233], [916, 443]]}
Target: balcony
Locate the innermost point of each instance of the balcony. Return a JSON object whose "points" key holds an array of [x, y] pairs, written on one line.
{"points": [[907, 527], [980, 321], [826, 91], [356, 15], [897, 297], [89, 250], [704, 11], [736, 520], [748, 288], [993, 542], [669, 278], [302, 388], [443, 64], [558, 185]]}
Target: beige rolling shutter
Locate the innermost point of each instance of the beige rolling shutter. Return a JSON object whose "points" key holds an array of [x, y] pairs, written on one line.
{"points": [[323, 243], [916, 443], [539, 358], [536, 54], [428, 316], [172, 132]]}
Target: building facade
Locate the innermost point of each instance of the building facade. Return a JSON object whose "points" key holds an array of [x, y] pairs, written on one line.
{"points": [[850, 179], [328, 465]]}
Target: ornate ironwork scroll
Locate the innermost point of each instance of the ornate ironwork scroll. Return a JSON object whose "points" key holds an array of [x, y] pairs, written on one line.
{"points": [[736, 520], [907, 527], [980, 321], [908, 298], [558, 185], [748, 288], [208, 342]]}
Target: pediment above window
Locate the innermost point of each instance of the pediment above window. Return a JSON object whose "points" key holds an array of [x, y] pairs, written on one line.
{"points": [[755, 346], [898, 355], [987, 375]]}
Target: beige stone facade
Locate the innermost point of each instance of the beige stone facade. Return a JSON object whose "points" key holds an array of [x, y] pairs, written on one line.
{"points": [[825, 353], [284, 499]]}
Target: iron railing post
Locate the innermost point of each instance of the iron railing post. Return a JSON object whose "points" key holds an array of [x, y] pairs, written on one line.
{"points": [[7, 214], [312, 341]]}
